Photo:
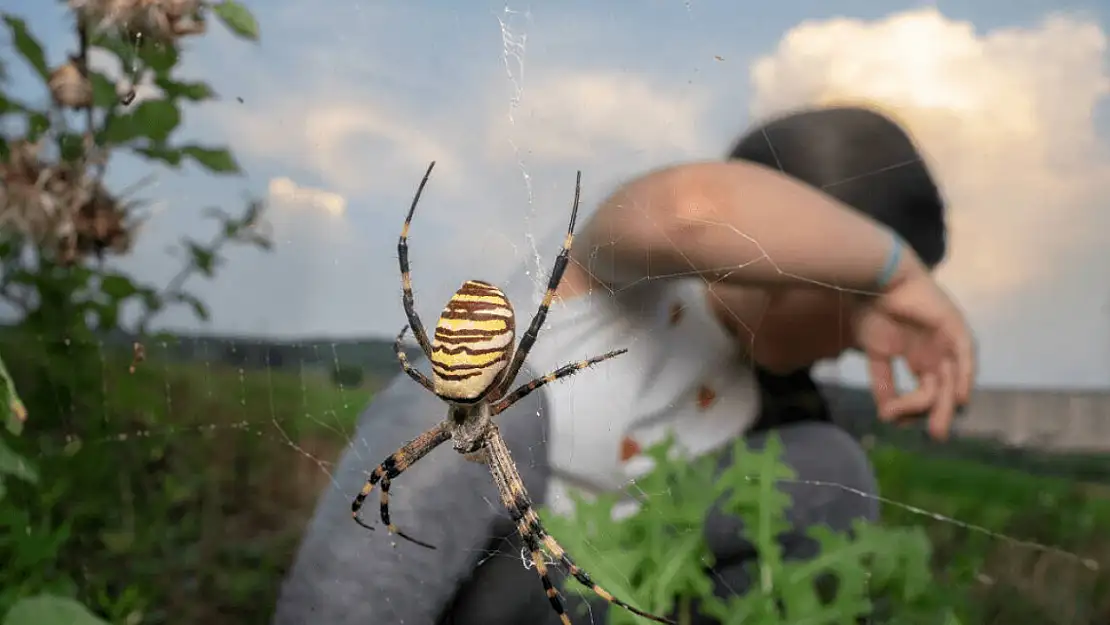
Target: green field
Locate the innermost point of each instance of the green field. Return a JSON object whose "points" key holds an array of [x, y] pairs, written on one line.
{"points": [[183, 495]]}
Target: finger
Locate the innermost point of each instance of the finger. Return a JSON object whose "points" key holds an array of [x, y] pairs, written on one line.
{"points": [[912, 403], [881, 372], [964, 366], [944, 408]]}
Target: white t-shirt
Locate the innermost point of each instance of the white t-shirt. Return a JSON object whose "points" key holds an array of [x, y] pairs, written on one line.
{"points": [[683, 374]]}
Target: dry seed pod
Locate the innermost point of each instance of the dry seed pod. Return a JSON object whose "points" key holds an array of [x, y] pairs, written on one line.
{"points": [[162, 21], [69, 87]]}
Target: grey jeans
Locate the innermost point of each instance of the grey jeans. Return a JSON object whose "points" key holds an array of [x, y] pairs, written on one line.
{"points": [[345, 575]]}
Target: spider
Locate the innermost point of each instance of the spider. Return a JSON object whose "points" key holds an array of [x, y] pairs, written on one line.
{"points": [[473, 367]]}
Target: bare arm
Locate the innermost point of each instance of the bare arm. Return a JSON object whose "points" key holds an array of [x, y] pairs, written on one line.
{"points": [[737, 223]]}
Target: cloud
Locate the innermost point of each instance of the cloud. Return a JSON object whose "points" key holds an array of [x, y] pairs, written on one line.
{"points": [[301, 285], [1006, 121], [344, 137], [285, 193], [303, 219], [1004, 118], [577, 115]]}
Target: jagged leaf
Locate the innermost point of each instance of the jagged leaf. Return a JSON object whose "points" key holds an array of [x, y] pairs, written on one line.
{"points": [[50, 610], [238, 19], [29, 47], [215, 160]]}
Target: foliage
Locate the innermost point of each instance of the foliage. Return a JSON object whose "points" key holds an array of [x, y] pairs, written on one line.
{"points": [[42, 609], [657, 557], [348, 376], [195, 517], [14, 414], [222, 505], [189, 509], [60, 222], [999, 577]]}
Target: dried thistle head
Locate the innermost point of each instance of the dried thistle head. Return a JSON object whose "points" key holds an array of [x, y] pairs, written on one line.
{"points": [[162, 21], [22, 202], [103, 224], [70, 87], [61, 207]]}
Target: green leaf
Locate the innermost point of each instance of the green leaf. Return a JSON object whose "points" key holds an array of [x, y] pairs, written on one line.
{"points": [[203, 258], [104, 90], [170, 156], [118, 287], [71, 146], [153, 119], [159, 57], [16, 466], [238, 19], [152, 300], [199, 309], [50, 610], [11, 406], [8, 105], [37, 124], [27, 45], [192, 91], [126, 53], [215, 160]]}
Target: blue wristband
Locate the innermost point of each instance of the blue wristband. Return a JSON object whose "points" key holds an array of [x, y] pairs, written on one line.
{"points": [[891, 266]]}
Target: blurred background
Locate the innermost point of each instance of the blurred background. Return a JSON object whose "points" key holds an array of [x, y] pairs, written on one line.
{"points": [[200, 288]]}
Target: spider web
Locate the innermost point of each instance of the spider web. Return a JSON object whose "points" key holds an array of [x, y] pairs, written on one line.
{"points": [[329, 419]]}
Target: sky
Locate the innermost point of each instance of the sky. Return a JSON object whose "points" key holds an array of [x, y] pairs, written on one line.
{"points": [[344, 103]]}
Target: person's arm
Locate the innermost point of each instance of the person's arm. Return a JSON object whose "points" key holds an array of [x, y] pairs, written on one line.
{"points": [[738, 223], [346, 575]]}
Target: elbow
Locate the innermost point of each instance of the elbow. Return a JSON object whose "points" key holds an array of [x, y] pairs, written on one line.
{"points": [[657, 212], [674, 208], [655, 224]]}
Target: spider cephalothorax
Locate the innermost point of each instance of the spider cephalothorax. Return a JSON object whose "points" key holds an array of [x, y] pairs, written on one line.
{"points": [[474, 365]]}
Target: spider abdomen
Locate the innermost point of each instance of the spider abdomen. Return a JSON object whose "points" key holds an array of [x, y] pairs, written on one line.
{"points": [[473, 342]]}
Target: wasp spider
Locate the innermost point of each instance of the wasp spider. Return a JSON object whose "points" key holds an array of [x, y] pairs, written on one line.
{"points": [[473, 367]]}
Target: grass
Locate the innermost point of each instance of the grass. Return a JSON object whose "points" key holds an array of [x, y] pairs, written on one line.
{"points": [[180, 494], [1046, 560]]}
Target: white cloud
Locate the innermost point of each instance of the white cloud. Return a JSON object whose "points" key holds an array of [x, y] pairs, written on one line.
{"points": [[283, 192], [1004, 117], [304, 219], [351, 142], [1006, 120], [576, 115]]}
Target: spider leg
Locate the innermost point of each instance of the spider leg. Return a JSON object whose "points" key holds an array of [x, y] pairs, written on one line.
{"points": [[412, 372], [393, 466], [406, 277], [555, 549], [535, 537], [561, 262], [524, 390]]}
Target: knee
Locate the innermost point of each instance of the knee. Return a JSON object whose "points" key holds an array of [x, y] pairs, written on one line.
{"points": [[833, 485], [834, 482]]}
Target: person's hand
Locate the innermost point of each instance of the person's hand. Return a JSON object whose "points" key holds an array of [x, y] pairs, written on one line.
{"points": [[916, 321]]}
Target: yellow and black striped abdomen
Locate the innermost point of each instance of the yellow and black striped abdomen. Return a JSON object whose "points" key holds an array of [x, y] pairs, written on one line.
{"points": [[473, 342]]}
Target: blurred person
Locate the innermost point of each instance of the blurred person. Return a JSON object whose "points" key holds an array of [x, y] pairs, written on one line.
{"points": [[727, 281]]}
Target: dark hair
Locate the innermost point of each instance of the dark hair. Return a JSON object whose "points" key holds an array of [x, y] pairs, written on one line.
{"points": [[861, 158]]}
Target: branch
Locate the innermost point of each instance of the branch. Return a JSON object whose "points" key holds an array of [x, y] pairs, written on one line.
{"points": [[231, 232]]}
